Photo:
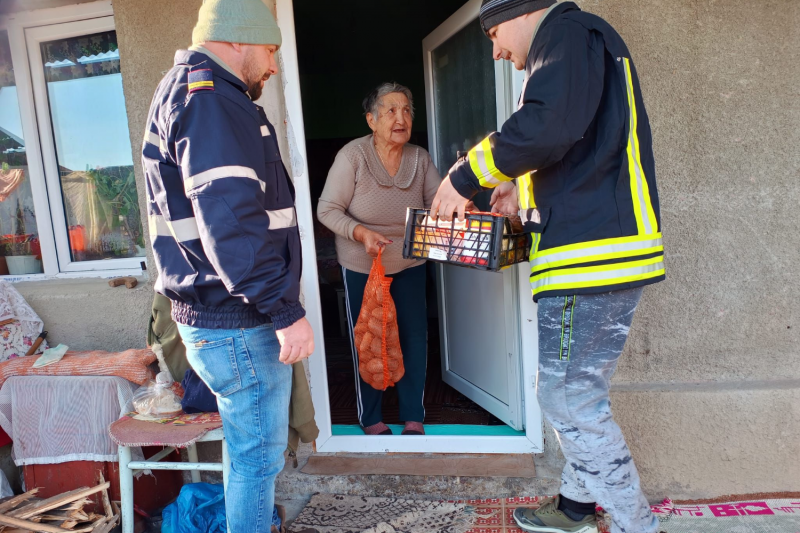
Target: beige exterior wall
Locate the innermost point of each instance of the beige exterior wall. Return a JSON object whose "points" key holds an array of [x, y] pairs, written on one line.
{"points": [[709, 389]]}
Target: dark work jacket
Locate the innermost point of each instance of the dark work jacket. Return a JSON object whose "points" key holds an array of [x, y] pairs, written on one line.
{"points": [[220, 202], [580, 148]]}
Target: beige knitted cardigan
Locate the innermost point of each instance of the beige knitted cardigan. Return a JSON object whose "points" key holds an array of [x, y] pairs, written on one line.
{"points": [[359, 190]]}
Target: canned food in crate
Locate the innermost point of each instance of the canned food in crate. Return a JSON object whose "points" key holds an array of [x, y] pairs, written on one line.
{"points": [[485, 241]]}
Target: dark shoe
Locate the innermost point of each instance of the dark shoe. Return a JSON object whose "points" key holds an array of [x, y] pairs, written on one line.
{"points": [[548, 519], [387, 432], [416, 428], [282, 517]]}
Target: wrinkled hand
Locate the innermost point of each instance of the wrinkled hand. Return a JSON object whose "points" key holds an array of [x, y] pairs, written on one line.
{"points": [[372, 240], [447, 202], [504, 199], [297, 342]]}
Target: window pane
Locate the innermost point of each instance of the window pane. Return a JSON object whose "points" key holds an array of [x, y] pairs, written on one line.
{"points": [[90, 127], [464, 93], [19, 236]]}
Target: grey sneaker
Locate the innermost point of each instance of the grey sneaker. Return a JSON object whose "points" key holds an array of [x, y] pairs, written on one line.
{"points": [[548, 519]]}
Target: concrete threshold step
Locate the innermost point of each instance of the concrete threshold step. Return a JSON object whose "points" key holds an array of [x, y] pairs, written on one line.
{"points": [[407, 464], [396, 475]]}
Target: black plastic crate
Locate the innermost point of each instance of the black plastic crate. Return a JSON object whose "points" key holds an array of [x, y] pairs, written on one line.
{"points": [[484, 241]]}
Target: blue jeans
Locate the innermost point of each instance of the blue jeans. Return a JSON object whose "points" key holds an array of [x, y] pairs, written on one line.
{"points": [[253, 388]]}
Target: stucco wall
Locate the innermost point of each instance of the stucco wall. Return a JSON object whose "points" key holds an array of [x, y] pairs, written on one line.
{"points": [[720, 81]]}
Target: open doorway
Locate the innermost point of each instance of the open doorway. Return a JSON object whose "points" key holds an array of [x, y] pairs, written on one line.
{"points": [[344, 53], [487, 347]]}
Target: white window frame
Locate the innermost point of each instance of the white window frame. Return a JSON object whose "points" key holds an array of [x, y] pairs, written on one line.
{"points": [[25, 31], [327, 442]]}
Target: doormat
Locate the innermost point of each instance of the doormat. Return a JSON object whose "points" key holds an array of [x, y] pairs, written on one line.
{"points": [[329, 513], [752, 516], [762, 516]]}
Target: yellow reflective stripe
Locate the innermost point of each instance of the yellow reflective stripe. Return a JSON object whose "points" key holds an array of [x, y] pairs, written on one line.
{"points": [[599, 257], [537, 237], [601, 242], [525, 192], [643, 207], [599, 283], [598, 268], [592, 252], [481, 161], [576, 278], [196, 84]]}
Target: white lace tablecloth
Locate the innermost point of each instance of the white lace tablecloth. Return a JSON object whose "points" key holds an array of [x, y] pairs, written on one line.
{"points": [[55, 419]]}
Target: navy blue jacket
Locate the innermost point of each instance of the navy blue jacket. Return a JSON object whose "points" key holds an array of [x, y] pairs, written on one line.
{"points": [[220, 202], [581, 151]]}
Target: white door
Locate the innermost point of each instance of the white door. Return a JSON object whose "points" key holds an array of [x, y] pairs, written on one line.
{"points": [[469, 95]]}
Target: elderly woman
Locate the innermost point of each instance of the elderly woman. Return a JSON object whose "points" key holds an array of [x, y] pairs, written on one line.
{"points": [[371, 183]]}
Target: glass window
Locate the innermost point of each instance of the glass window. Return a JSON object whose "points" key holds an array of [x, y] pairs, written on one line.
{"points": [[465, 97], [464, 90], [93, 149], [20, 252]]}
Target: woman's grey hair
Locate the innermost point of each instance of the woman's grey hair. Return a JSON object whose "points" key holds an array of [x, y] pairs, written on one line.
{"points": [[375, 98]]}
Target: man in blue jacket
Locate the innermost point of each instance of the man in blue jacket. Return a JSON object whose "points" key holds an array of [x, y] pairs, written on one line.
{"points": [[580, 151], [226, 243]]}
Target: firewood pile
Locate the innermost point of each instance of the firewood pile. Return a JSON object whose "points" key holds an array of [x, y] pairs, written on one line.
{"points": [[63, 513]]}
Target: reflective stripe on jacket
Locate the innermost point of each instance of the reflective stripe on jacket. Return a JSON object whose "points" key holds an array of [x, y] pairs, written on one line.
{"points": [[220, 202], [580, 148]]}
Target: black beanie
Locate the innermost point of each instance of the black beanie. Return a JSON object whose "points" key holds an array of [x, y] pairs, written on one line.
{"points": [[494, 12]]}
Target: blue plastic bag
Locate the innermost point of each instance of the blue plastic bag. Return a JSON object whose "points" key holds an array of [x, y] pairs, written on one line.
{"points": [[200, 508]]}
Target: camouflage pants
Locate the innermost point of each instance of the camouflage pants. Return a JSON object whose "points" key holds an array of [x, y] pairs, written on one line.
{"points": [[580, 340]]}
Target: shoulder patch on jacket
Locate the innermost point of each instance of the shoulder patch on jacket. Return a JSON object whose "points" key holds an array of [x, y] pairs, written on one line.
{"points": [[201, 80]]}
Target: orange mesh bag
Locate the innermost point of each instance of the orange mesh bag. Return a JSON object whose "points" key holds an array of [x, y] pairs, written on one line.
{"points": [[380, 360]]}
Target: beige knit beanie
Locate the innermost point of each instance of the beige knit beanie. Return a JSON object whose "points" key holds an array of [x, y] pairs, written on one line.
{"points": [[236, 21]]}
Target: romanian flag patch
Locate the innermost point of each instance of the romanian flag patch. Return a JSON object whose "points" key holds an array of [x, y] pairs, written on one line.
{"points": [[201, 80]]}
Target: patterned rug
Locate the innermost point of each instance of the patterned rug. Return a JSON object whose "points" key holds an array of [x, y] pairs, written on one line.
{"points": [[351, 514], [328, 513]]}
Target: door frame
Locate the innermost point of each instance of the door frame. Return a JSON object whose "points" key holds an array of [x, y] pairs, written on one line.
{"points": [[532, 442]]}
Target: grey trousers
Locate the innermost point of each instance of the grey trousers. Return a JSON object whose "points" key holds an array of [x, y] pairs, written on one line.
{"points": [[580, 341]]}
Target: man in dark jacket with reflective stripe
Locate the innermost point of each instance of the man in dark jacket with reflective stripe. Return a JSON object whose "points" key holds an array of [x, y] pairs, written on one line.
{"points": [[580, 151], [226, 243]]}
